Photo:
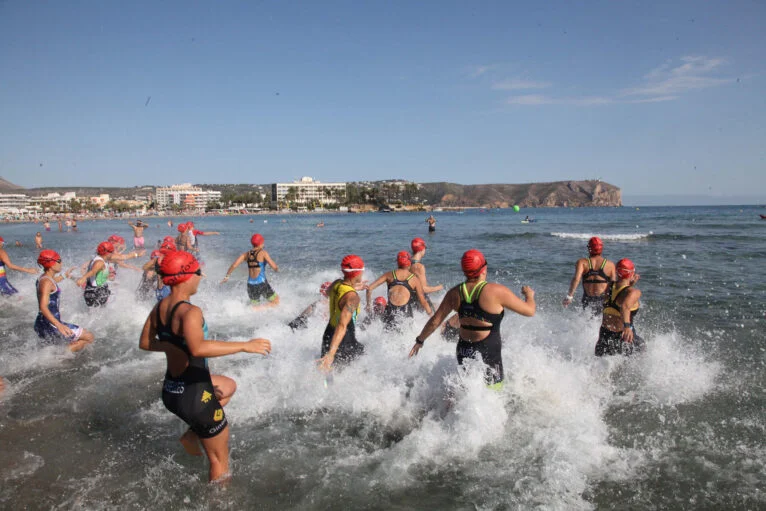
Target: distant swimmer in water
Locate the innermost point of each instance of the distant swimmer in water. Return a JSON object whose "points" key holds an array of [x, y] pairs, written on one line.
{"points": [[48, 325], [138, 233], [431, 223], [258, 288], [418, 246], [481, 307], [404, 289], [339, 339], [596, 273], [170, 224], [38, 240], [47, 225], [320, 224], [301, 321], [178, 329], [618, 335], [6, 289]]}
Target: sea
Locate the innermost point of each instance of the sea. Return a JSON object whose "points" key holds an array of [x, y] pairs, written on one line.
{"points": [[679, 426]]}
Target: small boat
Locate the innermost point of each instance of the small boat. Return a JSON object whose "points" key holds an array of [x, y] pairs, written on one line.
{"points": [[763, 217]]}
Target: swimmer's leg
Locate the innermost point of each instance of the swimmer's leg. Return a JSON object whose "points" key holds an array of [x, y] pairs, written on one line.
{"points": [[190, 441], [224, 386], [217, 450], [85, 338]]}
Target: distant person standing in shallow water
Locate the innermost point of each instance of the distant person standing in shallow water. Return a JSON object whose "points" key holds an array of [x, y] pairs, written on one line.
{"points": [[138, 233], [431, 223], [596, 273], [6, 289], [258, 288], [178, 329], [38, 240], [480, 307], [617, 334]]}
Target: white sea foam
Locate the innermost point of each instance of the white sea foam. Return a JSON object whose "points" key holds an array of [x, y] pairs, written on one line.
{"points": [[613, 237]]}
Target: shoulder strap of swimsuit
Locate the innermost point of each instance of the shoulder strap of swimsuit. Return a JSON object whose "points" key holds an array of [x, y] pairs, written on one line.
{"points": [[168, 323], [411, 275], [475, 291], [590, 266], [603, 263]]}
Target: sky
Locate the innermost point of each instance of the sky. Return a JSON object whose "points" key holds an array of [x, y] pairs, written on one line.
{"points": [[658, 98]]}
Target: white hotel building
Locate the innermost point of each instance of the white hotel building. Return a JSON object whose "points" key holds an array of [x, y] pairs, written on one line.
{"points": [[308, 190], [13, 202], [186, 196]]}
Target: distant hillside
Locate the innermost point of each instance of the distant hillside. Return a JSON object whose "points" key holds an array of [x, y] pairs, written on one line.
{"points": [[8, 187], [530, 195]]}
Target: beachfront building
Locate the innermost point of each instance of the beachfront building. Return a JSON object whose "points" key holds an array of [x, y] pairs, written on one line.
{"points": [[100, 200], [307, 191], [13, 202], [53, 201], [185, 196]]}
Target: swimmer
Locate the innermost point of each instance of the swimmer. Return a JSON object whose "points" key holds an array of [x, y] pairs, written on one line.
{"points": [[418, 246], [48, 325], [481, 307], [119, 248], [183, 242], [378, 308], [38, 240], [301, 321], [596, 273], [99, 271], [404, 289], [339, 339], [178, 329], [193, 234], [47, 225], [258, 287], [617, 334], [6, 289]]}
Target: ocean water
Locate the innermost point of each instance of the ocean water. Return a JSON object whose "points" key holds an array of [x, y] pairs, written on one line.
{"points": [[678, 427]]}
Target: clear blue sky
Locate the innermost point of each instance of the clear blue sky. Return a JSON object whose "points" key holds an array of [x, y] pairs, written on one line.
{"points": [[655, 97]]}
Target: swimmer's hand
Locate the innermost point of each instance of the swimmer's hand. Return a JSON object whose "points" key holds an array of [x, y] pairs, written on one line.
{"points": [[225, 279], [528, 292], [258, 345], [567, 300], [361, 285], [325, 363], [627, 334], [81, 281], [416, 348], [65, 331]]}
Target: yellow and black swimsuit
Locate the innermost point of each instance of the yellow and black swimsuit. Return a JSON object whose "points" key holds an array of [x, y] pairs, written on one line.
{"points": [[349, 347], [610, 342]]}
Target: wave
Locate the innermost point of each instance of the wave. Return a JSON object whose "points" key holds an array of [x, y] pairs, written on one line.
{"points": [[613, 237]]}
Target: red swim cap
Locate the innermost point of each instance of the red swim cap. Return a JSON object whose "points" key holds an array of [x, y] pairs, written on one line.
{"points": [[324, 288], [625, 268], [379, 303], [2, 240], [181, 227], [352, 265], [473, 263], [170, 239], [177, 267], [403, 259], [595, 246], [168, 245], [48, 258], [116, 239], [417, 245], [104, 248], [257, 240]]}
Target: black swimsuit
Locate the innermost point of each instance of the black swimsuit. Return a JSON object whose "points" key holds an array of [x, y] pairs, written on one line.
{"points": [[190, 395], [611, 343], [595, 303], [489, 348], [392, 312]]}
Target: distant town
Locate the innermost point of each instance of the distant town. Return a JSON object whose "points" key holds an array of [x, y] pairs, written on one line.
{"points": [[303, 195]]}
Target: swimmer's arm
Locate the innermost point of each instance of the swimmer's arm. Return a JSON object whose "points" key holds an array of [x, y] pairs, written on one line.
{"points": [[135, 254], [208, 233], [270, 262], [371, 287], [97, 267], [420, 271], [579, 269], [450, 303], [122, 264], [43, 297], [59, 278], [191, 326], [422, 297], [7, 261], [149, 265], [526, 307], [631, 299], [352, 301], [234, 266]]}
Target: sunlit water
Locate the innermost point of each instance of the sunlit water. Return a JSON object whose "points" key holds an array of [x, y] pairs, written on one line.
{"points": [[680, 426]]}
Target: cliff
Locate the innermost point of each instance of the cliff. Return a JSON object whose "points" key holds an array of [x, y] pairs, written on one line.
{"points": [[530, 195]]}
